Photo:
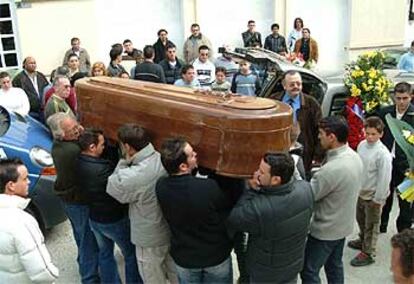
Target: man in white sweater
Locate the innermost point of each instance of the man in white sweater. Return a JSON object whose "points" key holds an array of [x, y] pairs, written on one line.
{"points": [[13, 99], [23, 255], [335, 187], [376, 180]]}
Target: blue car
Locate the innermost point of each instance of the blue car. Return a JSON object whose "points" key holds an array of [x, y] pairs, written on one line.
{"points": [[27, 139]]}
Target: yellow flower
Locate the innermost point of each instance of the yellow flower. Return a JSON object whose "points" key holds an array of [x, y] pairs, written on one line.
{"points": [[355, 92], [410, 139], [372, 73], [370, 105]]}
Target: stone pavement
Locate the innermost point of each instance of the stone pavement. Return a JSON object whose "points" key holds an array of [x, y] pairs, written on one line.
{"points": [[62, 247]]}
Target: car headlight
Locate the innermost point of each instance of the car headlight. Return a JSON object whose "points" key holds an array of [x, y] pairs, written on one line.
{"points": [[41, 157]]}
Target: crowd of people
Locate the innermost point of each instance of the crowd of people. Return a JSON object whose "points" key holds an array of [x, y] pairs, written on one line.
{"points": [[174, 222]]}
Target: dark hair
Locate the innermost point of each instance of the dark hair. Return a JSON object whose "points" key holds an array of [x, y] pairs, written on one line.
{"points": [[402, 87], [118, 46], [195, 25], [274, 26], [122, 73], [148, 51], [170, 45], [72, 40], [4, 74], [203, 47], [281, 164], [251, 22], [127, 41], [133, 135], [72, 55], [221, 69], [374, 122], [186, 68], [336, 125], [8, 172], [297, 19], [162, 30], [173, 155], [290, 73], [306, 29], [412, 43], [115, 52], [405, 242], [88, 137]]}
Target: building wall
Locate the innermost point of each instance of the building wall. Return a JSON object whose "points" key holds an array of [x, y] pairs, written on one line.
{"points": [[45, 30], [342, 28]]}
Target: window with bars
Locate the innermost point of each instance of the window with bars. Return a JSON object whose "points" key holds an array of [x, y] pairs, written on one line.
{"points": [[9, 53]]}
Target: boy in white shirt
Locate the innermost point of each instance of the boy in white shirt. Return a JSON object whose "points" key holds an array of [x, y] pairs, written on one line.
{"points": [[377, 161]]}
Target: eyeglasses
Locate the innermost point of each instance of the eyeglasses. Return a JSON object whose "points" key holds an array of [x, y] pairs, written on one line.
{"points": [[67, 86], [203, 54]]}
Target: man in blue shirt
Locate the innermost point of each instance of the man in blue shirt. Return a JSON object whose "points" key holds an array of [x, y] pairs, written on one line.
{"points": [[306, 112], [407, 60]]}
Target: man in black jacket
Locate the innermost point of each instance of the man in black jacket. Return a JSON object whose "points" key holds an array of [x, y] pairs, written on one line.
{"points": [[276, 213], [161, 45], [148, 70], [404, 111], [195, 210], [251, 38], [33, 83], [171, 65], [108, 218]]}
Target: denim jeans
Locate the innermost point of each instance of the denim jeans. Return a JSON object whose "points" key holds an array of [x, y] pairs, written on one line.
{"points": [[106, 235], [320, 253], [221, 273], [85, 240]]}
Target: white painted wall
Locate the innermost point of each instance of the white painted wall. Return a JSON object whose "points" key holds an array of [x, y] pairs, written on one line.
{"points": [[224, 21], [137, 20], [328, 21], [45, 30]]}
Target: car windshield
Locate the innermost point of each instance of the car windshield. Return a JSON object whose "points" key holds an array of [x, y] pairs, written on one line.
{"points": [[4, 121]]}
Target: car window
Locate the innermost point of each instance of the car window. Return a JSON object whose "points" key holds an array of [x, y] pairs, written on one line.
{"points": [[311, 86], [4, 121]]}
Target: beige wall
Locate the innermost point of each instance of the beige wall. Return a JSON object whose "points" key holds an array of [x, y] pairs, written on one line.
{"points": [[342, 28], [46, 28], [377, 23]]}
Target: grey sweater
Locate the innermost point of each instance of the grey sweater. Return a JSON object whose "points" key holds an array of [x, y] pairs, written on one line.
{"points": [[134, 183], [376, 179], [336, 186]]}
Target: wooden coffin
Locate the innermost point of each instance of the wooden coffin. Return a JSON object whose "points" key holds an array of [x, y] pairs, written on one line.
{"points": [[230, 134]]}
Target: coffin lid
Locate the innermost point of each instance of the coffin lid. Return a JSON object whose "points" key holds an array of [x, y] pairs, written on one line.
{"points": [[183, 94]]}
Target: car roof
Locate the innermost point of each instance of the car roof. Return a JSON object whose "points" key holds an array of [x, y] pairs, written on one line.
{"points": [[261, 55]]}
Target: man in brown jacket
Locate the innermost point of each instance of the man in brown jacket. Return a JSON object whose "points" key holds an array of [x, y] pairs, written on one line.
{"points": [[307, 46], [306, 111], [193, 43]]}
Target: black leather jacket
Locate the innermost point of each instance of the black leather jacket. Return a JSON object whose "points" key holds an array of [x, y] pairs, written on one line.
{"points": [[93, 176], [277, 220]]}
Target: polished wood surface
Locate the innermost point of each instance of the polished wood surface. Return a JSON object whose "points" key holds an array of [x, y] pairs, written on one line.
{"points": [[230, 134]]}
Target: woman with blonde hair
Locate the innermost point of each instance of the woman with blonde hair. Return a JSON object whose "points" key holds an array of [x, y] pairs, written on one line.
{"points": [[98, 69]]}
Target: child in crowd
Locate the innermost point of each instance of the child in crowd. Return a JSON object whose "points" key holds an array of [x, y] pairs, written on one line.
{"points": [[188, 78], [377, 169], [296, 151], [245, 82], [220, 84], [123, 75]]}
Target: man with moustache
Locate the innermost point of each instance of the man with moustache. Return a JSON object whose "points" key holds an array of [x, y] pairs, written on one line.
{"points": [[306, 111]]}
